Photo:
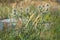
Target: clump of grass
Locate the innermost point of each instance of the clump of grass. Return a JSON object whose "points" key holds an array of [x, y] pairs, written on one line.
{"points": [[40, 26]]}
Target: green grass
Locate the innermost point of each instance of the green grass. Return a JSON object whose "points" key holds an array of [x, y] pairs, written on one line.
{"points": [[34, 29]]}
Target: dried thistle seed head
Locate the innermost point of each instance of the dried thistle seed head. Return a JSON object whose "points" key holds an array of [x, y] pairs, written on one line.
{"points": [[27, 10], [46, 9], [21, 9], [33, 11], [13, 11], [39, 7], [43, 5], [47, 5]]}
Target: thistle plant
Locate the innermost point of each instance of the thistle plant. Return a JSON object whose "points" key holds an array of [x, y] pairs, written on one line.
{"points": [[47, 7], [40, 8], [21, 11], [38, 26], [27, 10]]}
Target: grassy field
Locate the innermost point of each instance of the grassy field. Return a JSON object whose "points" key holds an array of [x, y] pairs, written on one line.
{"points": [[38, 23]]}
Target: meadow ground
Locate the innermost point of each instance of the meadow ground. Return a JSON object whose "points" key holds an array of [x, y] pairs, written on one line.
{"points": [[33, 22]]}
